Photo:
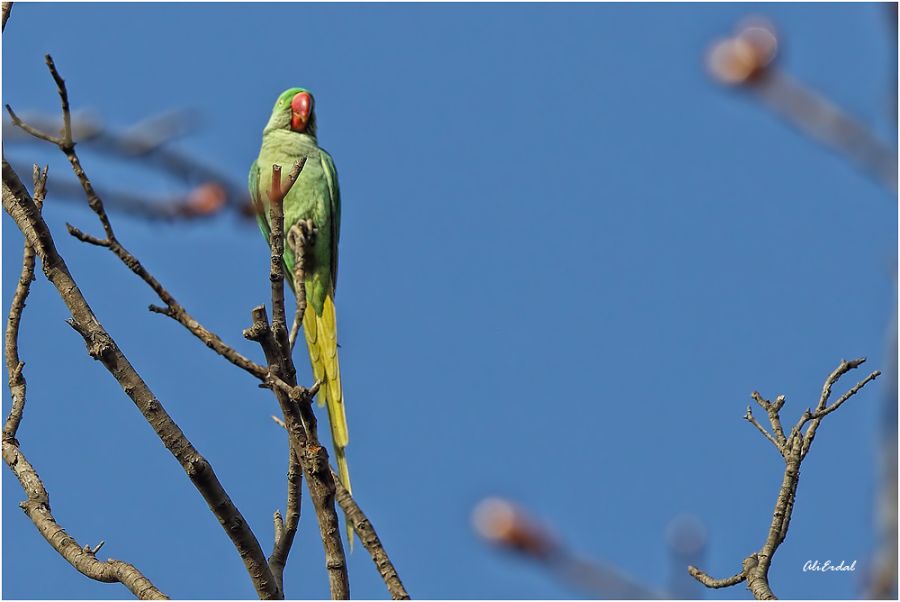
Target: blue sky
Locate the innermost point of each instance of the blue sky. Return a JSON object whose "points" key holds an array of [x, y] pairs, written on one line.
{"points": [[567, 258]]}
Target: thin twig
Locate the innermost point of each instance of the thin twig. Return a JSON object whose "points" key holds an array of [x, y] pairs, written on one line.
{"points": [[14, 365], [715, 583], [32, 130], [749, 418]]}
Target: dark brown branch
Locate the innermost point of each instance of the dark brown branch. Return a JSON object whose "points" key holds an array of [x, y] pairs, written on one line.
{"points": [[370, 540], [755, 568], [19, 205]]}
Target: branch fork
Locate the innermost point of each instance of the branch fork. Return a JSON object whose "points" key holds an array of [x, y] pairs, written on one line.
{"points": [[793, 449]]}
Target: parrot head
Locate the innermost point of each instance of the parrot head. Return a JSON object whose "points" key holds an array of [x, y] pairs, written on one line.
{"points": [[294, 110]]}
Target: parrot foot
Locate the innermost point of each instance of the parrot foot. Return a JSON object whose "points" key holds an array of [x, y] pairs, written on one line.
{"points": [[301, 236]]}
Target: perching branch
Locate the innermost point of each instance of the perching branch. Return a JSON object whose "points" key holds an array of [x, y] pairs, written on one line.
{"points": [[295, 401], [793, 448], [18, 203]]}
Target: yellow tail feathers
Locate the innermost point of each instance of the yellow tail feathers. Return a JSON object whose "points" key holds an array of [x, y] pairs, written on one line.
{"points": [[321, 341]]}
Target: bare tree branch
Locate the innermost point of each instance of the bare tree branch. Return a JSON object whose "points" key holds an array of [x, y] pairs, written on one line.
{"points": [[286, 528], [370, 540], [37, 506], [18, 203], [755, 568], [749, 418], [173, 309], [14, 365], [715, 583], [101, 347]]}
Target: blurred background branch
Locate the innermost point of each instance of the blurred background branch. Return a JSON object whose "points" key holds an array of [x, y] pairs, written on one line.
{"points": [[504, 524], [748, 60], [147, 144]]}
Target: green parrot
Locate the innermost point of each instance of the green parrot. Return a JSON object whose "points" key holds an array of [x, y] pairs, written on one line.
{"points": [[290, 135]]}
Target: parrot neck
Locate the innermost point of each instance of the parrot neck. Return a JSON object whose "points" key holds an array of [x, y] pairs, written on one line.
{"points": [[286, 142]]}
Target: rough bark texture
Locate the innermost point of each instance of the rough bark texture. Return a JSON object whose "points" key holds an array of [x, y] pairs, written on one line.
{"points": [[370, 541], [18, 203]]}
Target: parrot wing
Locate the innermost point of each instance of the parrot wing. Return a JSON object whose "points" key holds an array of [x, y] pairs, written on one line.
{"points": [[335, 194]]}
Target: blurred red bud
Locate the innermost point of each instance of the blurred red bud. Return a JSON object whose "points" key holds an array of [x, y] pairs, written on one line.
{"points": [[504, 524], [206, 199], [744, 57]]}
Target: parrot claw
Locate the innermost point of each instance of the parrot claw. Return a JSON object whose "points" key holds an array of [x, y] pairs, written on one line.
{"points": [[301, 235]]}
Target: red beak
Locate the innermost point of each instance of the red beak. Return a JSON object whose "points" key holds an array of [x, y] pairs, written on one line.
{"points": [[301, 108]]}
